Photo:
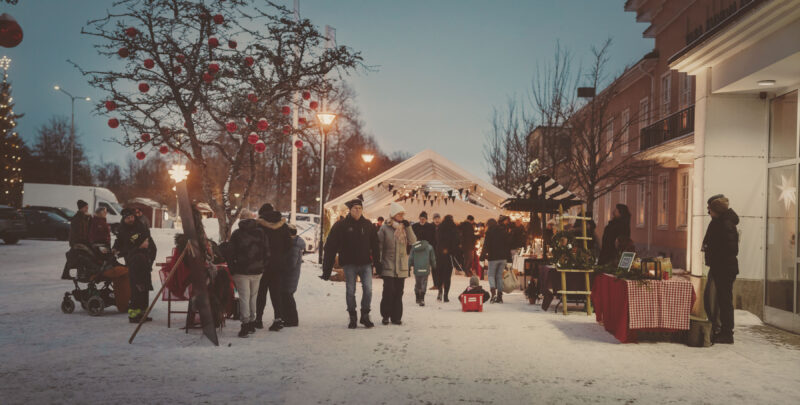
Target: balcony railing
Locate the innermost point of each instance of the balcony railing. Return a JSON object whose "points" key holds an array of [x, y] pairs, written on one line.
{"points": [[676, 125]]}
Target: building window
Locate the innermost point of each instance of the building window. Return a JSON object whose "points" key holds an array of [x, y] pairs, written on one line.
{"points": [[607, 208], [626, 126], [685, 89], [623, 194], [610, 139], [644, 112], [663, 201], [641, 202], [666, 93], [683, 200]]}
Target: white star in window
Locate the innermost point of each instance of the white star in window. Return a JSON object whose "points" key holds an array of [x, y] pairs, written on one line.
{"points": [[788, 192]]}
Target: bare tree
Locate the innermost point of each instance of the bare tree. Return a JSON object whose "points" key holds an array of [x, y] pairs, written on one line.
{"points": [[506, 148]]}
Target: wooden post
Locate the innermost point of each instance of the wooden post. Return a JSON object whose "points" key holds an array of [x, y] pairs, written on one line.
{"points": [[564, 291], [583, 214]]}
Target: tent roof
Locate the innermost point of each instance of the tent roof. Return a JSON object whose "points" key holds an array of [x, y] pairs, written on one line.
{"points": [[529, 197], [426, 171]]}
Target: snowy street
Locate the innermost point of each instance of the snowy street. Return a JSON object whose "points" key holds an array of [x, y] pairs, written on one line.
{"points": [[511, 353]]}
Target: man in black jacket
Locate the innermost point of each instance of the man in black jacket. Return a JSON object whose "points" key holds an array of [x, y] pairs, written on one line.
{"points": [[279, 239], [355, 240], [249, 257], [425, 230], [136, 246], [721, 247]]}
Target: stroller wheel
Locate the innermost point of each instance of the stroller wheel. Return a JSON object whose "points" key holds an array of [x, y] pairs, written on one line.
{"points": [[95, 305], [67, 305]]}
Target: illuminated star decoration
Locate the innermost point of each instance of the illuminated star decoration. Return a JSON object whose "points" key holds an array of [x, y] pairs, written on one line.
{"points": [[533, 167], [788, 192]]}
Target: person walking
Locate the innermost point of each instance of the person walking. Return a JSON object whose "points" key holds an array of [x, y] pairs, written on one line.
{"points": [[247, 261], [425, 230], [422, 258], [136, 246], [446, 249], [394, 238], [721, 248], [620, 225], [497, 249], [355, 241], [298, 246], [437, 220], [468, 239], [272, 280]]}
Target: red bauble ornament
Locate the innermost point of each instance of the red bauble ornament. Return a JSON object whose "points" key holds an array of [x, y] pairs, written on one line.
{"points": [[286, 110], [145, 137], [313, 105], [131, 32], [180, 57], [252, 97], [252, 139], [248, 120], [10, 31], [301, 121], [213, 42], [111, 106], [249, 61], [208, 77], [149, 64], [123, 52], [287, 129], [262, 124], [163, 149], [306, 95], [219, 19], [260, 146], [185, 125], [113, 123], [298, 144], [213, 67], [144, 87], [232, 44], [177, 70], [140, 155], [231, 126]]}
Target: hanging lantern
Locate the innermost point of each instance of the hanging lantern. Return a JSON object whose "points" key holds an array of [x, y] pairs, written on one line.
{"points": [[252, 139], [163, 149], [260, 146], [113, 123], [140, 155], [144, 87], [208, 77], [123, 52], [286, 110], [249, 61], [10, 31], [177, 70], [218, 19], [149, 64], [111, 105], [252, 97], [232, 44], [213, 42], [306, 95], [302, 120], [287, 129], [262, 124], [231, 126], [131, 32], [180, 57], [213, 67], [298, 144], [145, 137], [313, 105]]}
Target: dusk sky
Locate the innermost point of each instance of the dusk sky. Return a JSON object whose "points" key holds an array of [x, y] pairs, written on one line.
{"points": [[441, 66]]}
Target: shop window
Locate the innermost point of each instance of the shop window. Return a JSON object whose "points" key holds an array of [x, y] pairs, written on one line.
{"points": [[783, 127], [607, 208], [626, 126], [666, 94], [781, 237], [623, 194], [683, 200], [663, 201], [641, 202]]}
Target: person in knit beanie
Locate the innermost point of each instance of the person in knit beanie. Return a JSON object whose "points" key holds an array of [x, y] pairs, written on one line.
{"points": [[721, 248]]}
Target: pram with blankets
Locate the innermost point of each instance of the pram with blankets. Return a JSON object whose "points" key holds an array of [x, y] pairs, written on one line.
{"points": [[105, 279]]}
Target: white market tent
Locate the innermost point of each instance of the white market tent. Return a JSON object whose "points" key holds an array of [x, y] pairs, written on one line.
{"points": [[423, 183]]}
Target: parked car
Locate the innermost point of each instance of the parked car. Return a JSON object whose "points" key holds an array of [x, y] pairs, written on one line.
{"points": [[12, 225], [44, 224], [61, 211]]}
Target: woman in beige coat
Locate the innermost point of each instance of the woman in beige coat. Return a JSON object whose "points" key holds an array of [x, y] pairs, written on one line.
{"points": [[395, 236]]}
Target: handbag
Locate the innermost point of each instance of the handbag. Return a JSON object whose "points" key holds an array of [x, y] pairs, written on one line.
{"points": [[510, 282]]}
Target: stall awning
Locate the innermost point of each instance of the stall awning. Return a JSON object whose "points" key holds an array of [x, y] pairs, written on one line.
{"points": [[541, 194]]}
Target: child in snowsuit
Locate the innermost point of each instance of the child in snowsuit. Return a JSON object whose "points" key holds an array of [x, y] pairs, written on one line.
{"points": [[422, 259], [475, 288]]}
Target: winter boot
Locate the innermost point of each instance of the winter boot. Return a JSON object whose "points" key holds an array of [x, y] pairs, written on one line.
{"points": [[276, 325], [422, 299], [365, 320], [494, 295], [445, 298], [251, 327], [499, 299], [244, 331], [385, 320], [439, 296], [258, 324], [353, 320]]}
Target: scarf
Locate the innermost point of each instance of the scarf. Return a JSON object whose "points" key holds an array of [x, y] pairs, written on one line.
{"points": [[400, 232]]}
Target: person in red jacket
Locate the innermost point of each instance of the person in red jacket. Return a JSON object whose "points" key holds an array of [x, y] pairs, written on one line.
{"points": [[99, 232]]}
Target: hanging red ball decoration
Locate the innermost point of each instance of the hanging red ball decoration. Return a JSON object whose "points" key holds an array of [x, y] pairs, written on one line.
{"points": [[232, 44], [286, 110], [113, 123], [177, 70], [180, 57], [260, 147], [208, 77], [213, 42], [231, 126], [111, 105], [302, 121], [252, 139], [140, 155], [123, 52], [131, 32], [287, 129], [144, 87], [313, 105], [252, 97], [145, 137], [298, 144], [10, 31], [262, 124], [219, 19], [163, 149], [306, 95], [213, 67], [149, 64], [249, 61]]}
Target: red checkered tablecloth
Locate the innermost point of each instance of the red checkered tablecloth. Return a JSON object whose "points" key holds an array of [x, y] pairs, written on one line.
{"points": [[662, 304]]}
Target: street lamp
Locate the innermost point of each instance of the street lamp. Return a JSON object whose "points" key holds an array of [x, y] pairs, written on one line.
{"points": [[325, 120], [72, 128], [367, 157]]}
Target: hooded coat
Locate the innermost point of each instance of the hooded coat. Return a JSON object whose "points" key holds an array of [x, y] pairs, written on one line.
{"points": [[422, 258], [616, 227], [393, 253], [79, 229], [721, 244], [280, 241], [497, 245], [354, 241], [251, 252]]}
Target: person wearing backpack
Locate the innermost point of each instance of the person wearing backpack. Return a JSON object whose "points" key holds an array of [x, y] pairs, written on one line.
{"points": [[247, 255], [293, 277], [422, 259]]}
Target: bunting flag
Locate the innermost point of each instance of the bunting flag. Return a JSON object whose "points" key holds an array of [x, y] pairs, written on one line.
{"points": [[445, 202], [466, 194], [394, 193], [391, 186], [426, 192], [450, 193]]}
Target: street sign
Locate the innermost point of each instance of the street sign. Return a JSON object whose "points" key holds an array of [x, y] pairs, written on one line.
{"points": [[303, 209]]}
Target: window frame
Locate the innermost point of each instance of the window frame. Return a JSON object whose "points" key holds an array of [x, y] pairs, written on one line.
{"points": [[625, 118], [662, 211], [641, 204], [682, 200], [665, 104]]}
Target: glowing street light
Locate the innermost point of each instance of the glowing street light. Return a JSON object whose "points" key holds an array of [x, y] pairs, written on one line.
{"points": [[367, 157], [178, 173], [325, 120]]}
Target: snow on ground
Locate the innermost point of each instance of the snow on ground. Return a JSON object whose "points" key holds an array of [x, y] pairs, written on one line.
{"points": [[511, 353]]}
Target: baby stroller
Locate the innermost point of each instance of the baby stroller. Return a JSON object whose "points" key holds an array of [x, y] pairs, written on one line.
{"points": [[99, 270]]}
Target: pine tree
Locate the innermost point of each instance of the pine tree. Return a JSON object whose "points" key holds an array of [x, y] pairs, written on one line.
{"points": [[11, 145]]}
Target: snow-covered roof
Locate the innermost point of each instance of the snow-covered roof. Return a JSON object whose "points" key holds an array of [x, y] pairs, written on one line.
{"points": [[148, 202]]}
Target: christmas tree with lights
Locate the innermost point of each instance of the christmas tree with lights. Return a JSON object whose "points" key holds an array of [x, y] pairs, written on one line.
{"points": [[10, 144]]}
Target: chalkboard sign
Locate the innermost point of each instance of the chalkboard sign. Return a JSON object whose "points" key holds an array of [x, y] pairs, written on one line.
{"points": [[626, 261]]}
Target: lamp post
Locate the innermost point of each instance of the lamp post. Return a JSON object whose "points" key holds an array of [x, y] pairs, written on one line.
{"points": [[179, 174], [325, 120], [71, 127], [367, 157]]}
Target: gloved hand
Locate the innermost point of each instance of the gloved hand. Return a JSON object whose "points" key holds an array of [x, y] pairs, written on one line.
{"points": [[406, 223]]}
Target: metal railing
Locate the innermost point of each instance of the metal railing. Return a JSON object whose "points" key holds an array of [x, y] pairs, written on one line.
{"points": [[676, 125]]}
